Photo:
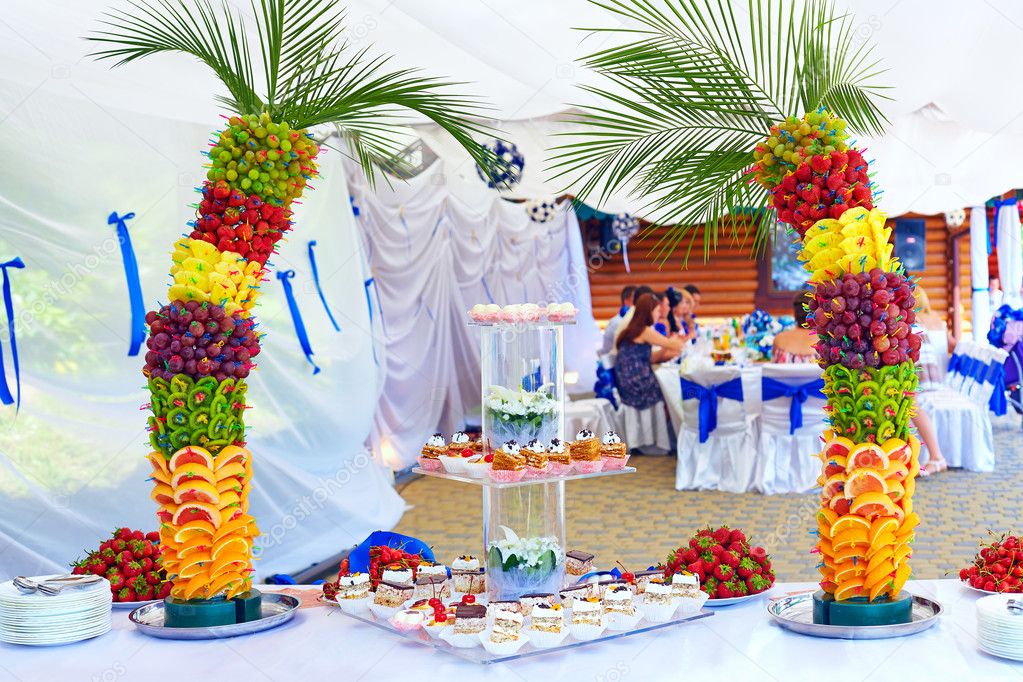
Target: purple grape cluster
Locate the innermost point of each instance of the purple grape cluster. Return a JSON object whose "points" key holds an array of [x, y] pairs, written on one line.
{"points": [[865, 320], [199, 339]]}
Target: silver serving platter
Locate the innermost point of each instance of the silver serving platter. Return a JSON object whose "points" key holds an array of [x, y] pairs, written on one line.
{"points": [[796, 613], [277, 609]]}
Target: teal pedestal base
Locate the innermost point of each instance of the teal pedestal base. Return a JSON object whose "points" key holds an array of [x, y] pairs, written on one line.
{"points": [[859, 611], [203, 613]]}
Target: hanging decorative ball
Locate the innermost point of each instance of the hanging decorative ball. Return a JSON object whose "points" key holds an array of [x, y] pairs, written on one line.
{"points": [[541, 210], [625, 226], [507, 169]]}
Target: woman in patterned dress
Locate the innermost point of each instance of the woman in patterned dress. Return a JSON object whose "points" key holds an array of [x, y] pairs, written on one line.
{"points": [[634, 372]]}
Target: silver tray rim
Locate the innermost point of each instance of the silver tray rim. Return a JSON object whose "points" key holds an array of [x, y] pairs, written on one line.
{"points": [[776, 608], [285, 607]]}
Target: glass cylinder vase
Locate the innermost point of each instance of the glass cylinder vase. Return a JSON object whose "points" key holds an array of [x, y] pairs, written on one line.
{"points": [[523, 383], [524, 538]]}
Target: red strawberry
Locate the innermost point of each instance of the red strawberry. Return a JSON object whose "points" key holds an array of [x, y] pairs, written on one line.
{"points": [[758, 554], [722, 535], [695, 567], [153, 578], [757, 583], [120, 545], [710, 586], [803, 172], [717, 550], [738, 536], [132, 569], [725, 590], [138, 535], [724, 572], [145, 594], [820, 164], [766, 566], [126, 594], [689, 556], [730, 558], [123, 534], [108, 555], [746, 568], [164, 590]]}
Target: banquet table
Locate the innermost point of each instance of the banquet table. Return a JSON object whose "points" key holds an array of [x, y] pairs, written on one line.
{"points": [[738, 642]]}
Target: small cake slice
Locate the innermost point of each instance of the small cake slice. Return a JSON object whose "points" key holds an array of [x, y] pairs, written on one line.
{"points": [[558, 453], [685, 585], [643, 578], [459, 441], [430, 568], [435, 447], [586, 447], [587, 611], [397, 574], [547, 617], [430, 586], [470, 619], [507, 626], [353, 586], [570, 594], [468, 575], [528, 601], [578, 563], [658, 591], [611, 445], [508, 457], [509, 605], [535, 453], [392, 594], [618, 599]]}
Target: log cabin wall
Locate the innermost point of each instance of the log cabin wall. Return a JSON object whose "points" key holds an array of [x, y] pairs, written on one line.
{"points": [[729, 279]]}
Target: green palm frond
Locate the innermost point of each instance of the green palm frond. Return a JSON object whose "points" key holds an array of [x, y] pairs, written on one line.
{"points": [[310, 75], [692, 89]]}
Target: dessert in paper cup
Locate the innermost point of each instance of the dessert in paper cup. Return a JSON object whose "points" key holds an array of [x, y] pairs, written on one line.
{"points": [[613, 452], [453, 464], [691, 605], [353, 595], [407, 620], [547, 628], [505, 636], [585, 453], [354, 607], [558, 458], [477, 466], [470, 622], [658, 604], [587, 619], [389, 598], [509, 465], [620, 612]]}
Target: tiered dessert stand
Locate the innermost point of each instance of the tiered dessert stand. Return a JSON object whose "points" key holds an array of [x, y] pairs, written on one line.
{"points": [[524, 521]]}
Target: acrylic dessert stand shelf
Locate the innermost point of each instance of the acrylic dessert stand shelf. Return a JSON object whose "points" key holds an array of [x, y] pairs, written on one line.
{"points": [[488, 483], [480, 655]]}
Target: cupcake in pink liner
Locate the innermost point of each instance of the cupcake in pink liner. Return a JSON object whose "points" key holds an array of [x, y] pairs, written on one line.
{"points": [[511, 313], [613, 451], [478, 313], [558, 458], [537, 461], [585, 451], [435, 447], [531, 312], [561, 312], [509, 464], [491, 313]]}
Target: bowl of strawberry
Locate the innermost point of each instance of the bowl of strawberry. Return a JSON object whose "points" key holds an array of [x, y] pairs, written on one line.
{"points": [[729, 568], [130, 560], [997, 566]]}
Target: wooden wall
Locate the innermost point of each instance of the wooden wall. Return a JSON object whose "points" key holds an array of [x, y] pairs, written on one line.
{"points": [[729, 280]]}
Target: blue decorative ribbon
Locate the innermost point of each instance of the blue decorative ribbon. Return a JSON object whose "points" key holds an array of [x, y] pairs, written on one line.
{"points": [[369, 305], [772, 388], [131, 274], [486, 288], [319, 290], [604, 387], [5, 393], [998, 402], [285, 276], [954, 363], [997, 203], [708, 396]]}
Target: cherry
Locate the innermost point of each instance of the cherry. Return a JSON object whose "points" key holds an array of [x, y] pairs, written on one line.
{"points": [[488, 459], [629, 577], [435, 602], [468, 599], [468, 452], [440, 617]]}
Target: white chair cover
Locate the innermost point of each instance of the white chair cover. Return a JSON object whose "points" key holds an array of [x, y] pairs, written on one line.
{"points": [[595, 414], [645, 429], [726, 460], [667, 377], [963, 428], [933, 362], [786, 463]]}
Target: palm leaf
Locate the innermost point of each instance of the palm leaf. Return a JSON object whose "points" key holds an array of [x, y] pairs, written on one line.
{"points": [[690, 91], [310, 76]]}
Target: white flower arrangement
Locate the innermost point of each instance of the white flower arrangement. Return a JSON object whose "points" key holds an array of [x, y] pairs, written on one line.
{"points": [[520, 405]]}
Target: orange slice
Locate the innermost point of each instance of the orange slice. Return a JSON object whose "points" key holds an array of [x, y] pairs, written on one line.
{"points": [[882, 524], [230, 454], [914, 446], [826, 517], [229, 561], [882, 555], [223, 580], [902, 552], [194, 565], [234, 469], [896, 491], [229, 498], [910, 485], [838, 447], [879, 542], [879, 589], [196, 490], [849, 589], [162, 494], [907, 526], [236, 525], [907, 504], [914, 468], [833, 486], [229, 483], [165, 514], [900, 515], [850, 538], [242, 587], [191, 454], [897, 450], [196, 544], [834, 464], [896, 471], [159, 462], [825, 547], [190, 472], [871, 505], [849, 522], [847, 571], [196, 586], [236, 544], [865, 481], [856, 553], [193, 528], [866, 456], [197, 511], [881, 573], [902, 574]]}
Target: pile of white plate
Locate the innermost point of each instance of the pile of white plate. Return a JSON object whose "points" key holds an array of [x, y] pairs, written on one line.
{"points": [[76, 613], [1000, 625]]}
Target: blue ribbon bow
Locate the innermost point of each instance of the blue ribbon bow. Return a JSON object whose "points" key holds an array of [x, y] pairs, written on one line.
{"points": [[319, 290], [605, 384], [131, 275], [954, 363], [996, 378], [772, 388], [708, 396], [285, 276], [5, 393]]}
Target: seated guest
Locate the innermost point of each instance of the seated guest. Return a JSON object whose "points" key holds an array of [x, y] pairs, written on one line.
{"points": [[936, 339], [680, 304], [663, 309], [612, 324], [624, 322], [634, 373], [796, 344], [694, 292]]}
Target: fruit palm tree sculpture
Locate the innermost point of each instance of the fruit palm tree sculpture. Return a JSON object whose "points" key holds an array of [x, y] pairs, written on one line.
{"points": [[202, 343], [722, 122]]}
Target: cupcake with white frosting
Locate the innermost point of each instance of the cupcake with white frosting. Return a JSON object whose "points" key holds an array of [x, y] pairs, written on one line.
{"points": [[429, 458], [613, 451], [585, 452], [559, 457]]}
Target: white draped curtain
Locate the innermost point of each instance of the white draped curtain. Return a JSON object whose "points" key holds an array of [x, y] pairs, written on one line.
{"points": [[436, 247]]}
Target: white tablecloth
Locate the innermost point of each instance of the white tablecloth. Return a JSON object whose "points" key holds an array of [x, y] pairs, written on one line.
{"points": [[737, 643]]}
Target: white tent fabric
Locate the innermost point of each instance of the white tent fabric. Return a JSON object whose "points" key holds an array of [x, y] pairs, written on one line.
{"points": [[955, 124], [72, 462], [437, 249], [979, 276]]}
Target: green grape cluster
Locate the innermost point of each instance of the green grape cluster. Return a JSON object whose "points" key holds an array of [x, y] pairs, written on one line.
{"points": [[794, 141], [257, 156]]}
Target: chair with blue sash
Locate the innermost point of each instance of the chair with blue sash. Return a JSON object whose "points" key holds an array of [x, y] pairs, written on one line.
{"points": [[791, 422], [716, 445]]}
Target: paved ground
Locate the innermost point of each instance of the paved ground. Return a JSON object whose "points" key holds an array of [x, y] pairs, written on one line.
{"points": [[637, 518]]}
